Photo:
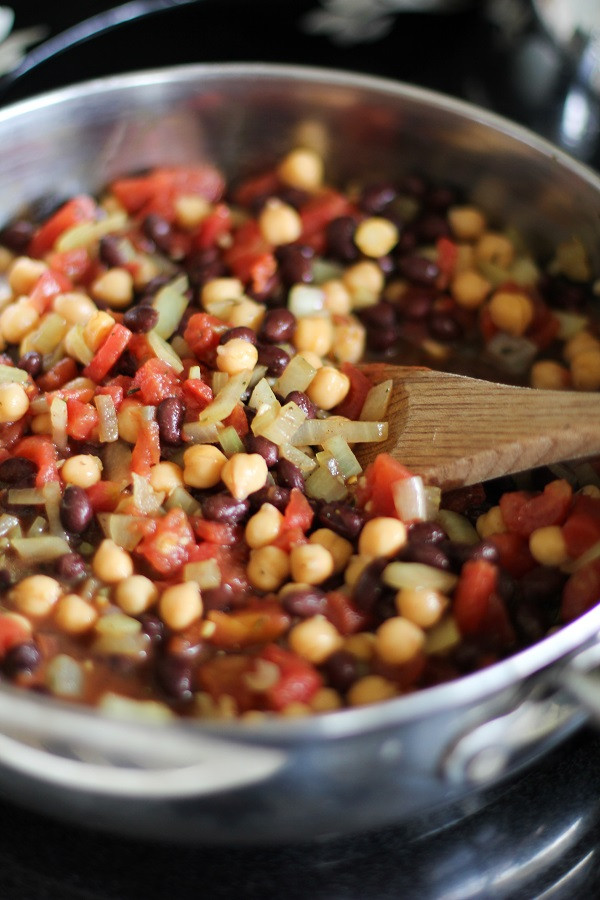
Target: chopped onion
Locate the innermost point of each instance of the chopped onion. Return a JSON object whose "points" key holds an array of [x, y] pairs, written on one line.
{"points": [[302, 460], [410, 499], [7, 522], [227, 398], [315, 431], [206, 573], [164, 351], [345, 458], [570, 323], [64, 676], [179, 498], [328, 461], [137, 710], [12, 373], [325, 270], [376, 402], [230, 441], [296, 376], [195, 372], [510, 353], [433, 498], [283, 426], [220, 308], [38, 526], [77, 346], [146, 500], [305, 300], [322, 485], [121, 529], [170, 302], [417, 575], [218, 381], [124, 644], [457, 527], [197, 433], [58, 421], [25, 497], [263, 395], [444, 635], [116, 457], [117, 623], [40, 549], [108, 426], [47, 336], [87, 233]]}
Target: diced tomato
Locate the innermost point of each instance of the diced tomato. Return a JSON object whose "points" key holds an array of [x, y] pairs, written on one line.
{"points": [[48, 286], [62, 372], [108, 353], [197, 395], [156, 381], [298, 512], [79, 209], [42, 452], [223, 676], [104, 496], [344, 614], [251, 258], [12, 633], [379, 476], [167, 548], [581, 592], [354, 400], [264, 622], [116, 389], [320, 210], [73, 264], [219, 533], [523, 512], [203, 333], [476, 583], [486, 326], [213, 227], [298, 680], [157, 191], [257, 187], [582, 527], [237, 419], [447, 257], [288, 538], [146, 450], [514, 552], [82, 418]]}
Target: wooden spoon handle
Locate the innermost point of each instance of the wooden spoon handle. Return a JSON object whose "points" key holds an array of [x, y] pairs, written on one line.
{"points": [[454, 430]]}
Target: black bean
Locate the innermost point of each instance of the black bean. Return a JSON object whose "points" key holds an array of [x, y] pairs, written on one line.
{"points": [[305, 602], [5, 579], [153, 626], [274, 358], [217, 598], [341, 669], [222, 507], [70, 567], [294, 263], [380, 315], [267, 292], [460, 553], [426, 533], [368, 589], [415, 185], [541, 584], [110, 251], [439, 198], [175, 678], [263, 446], [31, 362], [443, 326], [158, 230], [140, 319], [76, 511], [418, 269], [343, 519], [152, 287], [303, 401], [431, 227], [289, 475], [274, 494], [170, 414], [277, 326], [21, 658], [339, 235], [241, 332], [204, 265], [16, 469], [127, 364], [375, 198], [427, 555], [295, 197], [415, 304], [17, 235]]}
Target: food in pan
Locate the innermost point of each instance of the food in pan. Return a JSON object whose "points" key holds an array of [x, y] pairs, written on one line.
{"points": [[185, 520]]}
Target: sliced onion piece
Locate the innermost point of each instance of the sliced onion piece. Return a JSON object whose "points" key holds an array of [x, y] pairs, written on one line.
{"points": [[25, 497], [170, 302], [7, 523], [305, 300], [296, 376], [263, 395], [58, 422], [230, 441], [218, 381], [197, 433], [108, 426], [227, 398], [116, 457], [37, 527], [47, 336], [315, 431], [146, 500], [122, 529], [283, 425], [328, 461], [12, 373], [52, 492], [42, 548], [206, 573], [322, 485], [444, 635], [76, 345], [302, 460], [64, 676], [376, 402], [410, 499], [179, 498], [164, 351], [346, 460], [457, 527], [417, 575]]}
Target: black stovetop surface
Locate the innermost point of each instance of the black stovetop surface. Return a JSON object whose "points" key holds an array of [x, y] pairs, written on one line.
{"points": [[537, 836]]}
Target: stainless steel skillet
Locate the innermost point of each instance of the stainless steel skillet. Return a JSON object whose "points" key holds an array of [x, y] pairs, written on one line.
{"points": [[357, 769]]}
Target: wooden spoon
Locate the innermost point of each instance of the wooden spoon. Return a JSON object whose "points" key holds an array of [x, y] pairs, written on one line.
{"points": [[454, 430]]}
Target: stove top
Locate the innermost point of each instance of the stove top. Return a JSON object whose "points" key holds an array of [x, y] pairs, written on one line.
{"points": [[539, 835]]}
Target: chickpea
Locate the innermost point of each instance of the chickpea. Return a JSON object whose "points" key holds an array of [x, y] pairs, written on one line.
{"points": [[268, 568], [325, 700], [18, 319], [495, 248], [315, 639], [314, 334], [511, 311], [421, 606], [218, 289], [470, 289], [135, 594], [111, 563], [382, 536], [76, 307], [36, 595], [376, 236], [190, 210], [14, 402], [336, 298], [166, 476], [244, 473], [371, 689], [245, 313], [279, 222], [24, 272], [547, 546], [490, 522], [364, 281], [302, 168], [328, 387], [349, 341], [263, 527], [583, 340], [180, 605], [466, 222], [97, 329], [41, 424], [203, 465], [546, 374], [585, 370], [361, 645], [355, 567], [74, 615], [114, 287], [341, 550], [398, 640], [236, 355], [82, 470], [311, 563]]}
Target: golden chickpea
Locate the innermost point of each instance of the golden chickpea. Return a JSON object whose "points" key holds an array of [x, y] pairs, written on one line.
{"points": [[376, 236], [382, 536], [585, 370], [336, 298], [17, 320], [202, 465], [36, 595], [24, 272], [74, 306], [244, 473], [166, 476], [340, 549], [371, 689], [315, 639], [547, 374], [279, 222], [135, 594], [495, 248], [268, 568], [311, 563], [361, 645], [74, 615], [245, 313], [583, 340], [190, 210], [97, 329], [82, 470], [470, 289], [421, 606], [325, 700], [466, 222], [314, 334], [14, 402], [349, 341], [302, 168], [355, 567], [490, 522], [511, 311], [218, 289], [180, 605], [263, 527], [114, 287], [398, 640], [364, 281], [111, 563], [547, 546], [41, 424], [328, 387], [236, 355]]}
